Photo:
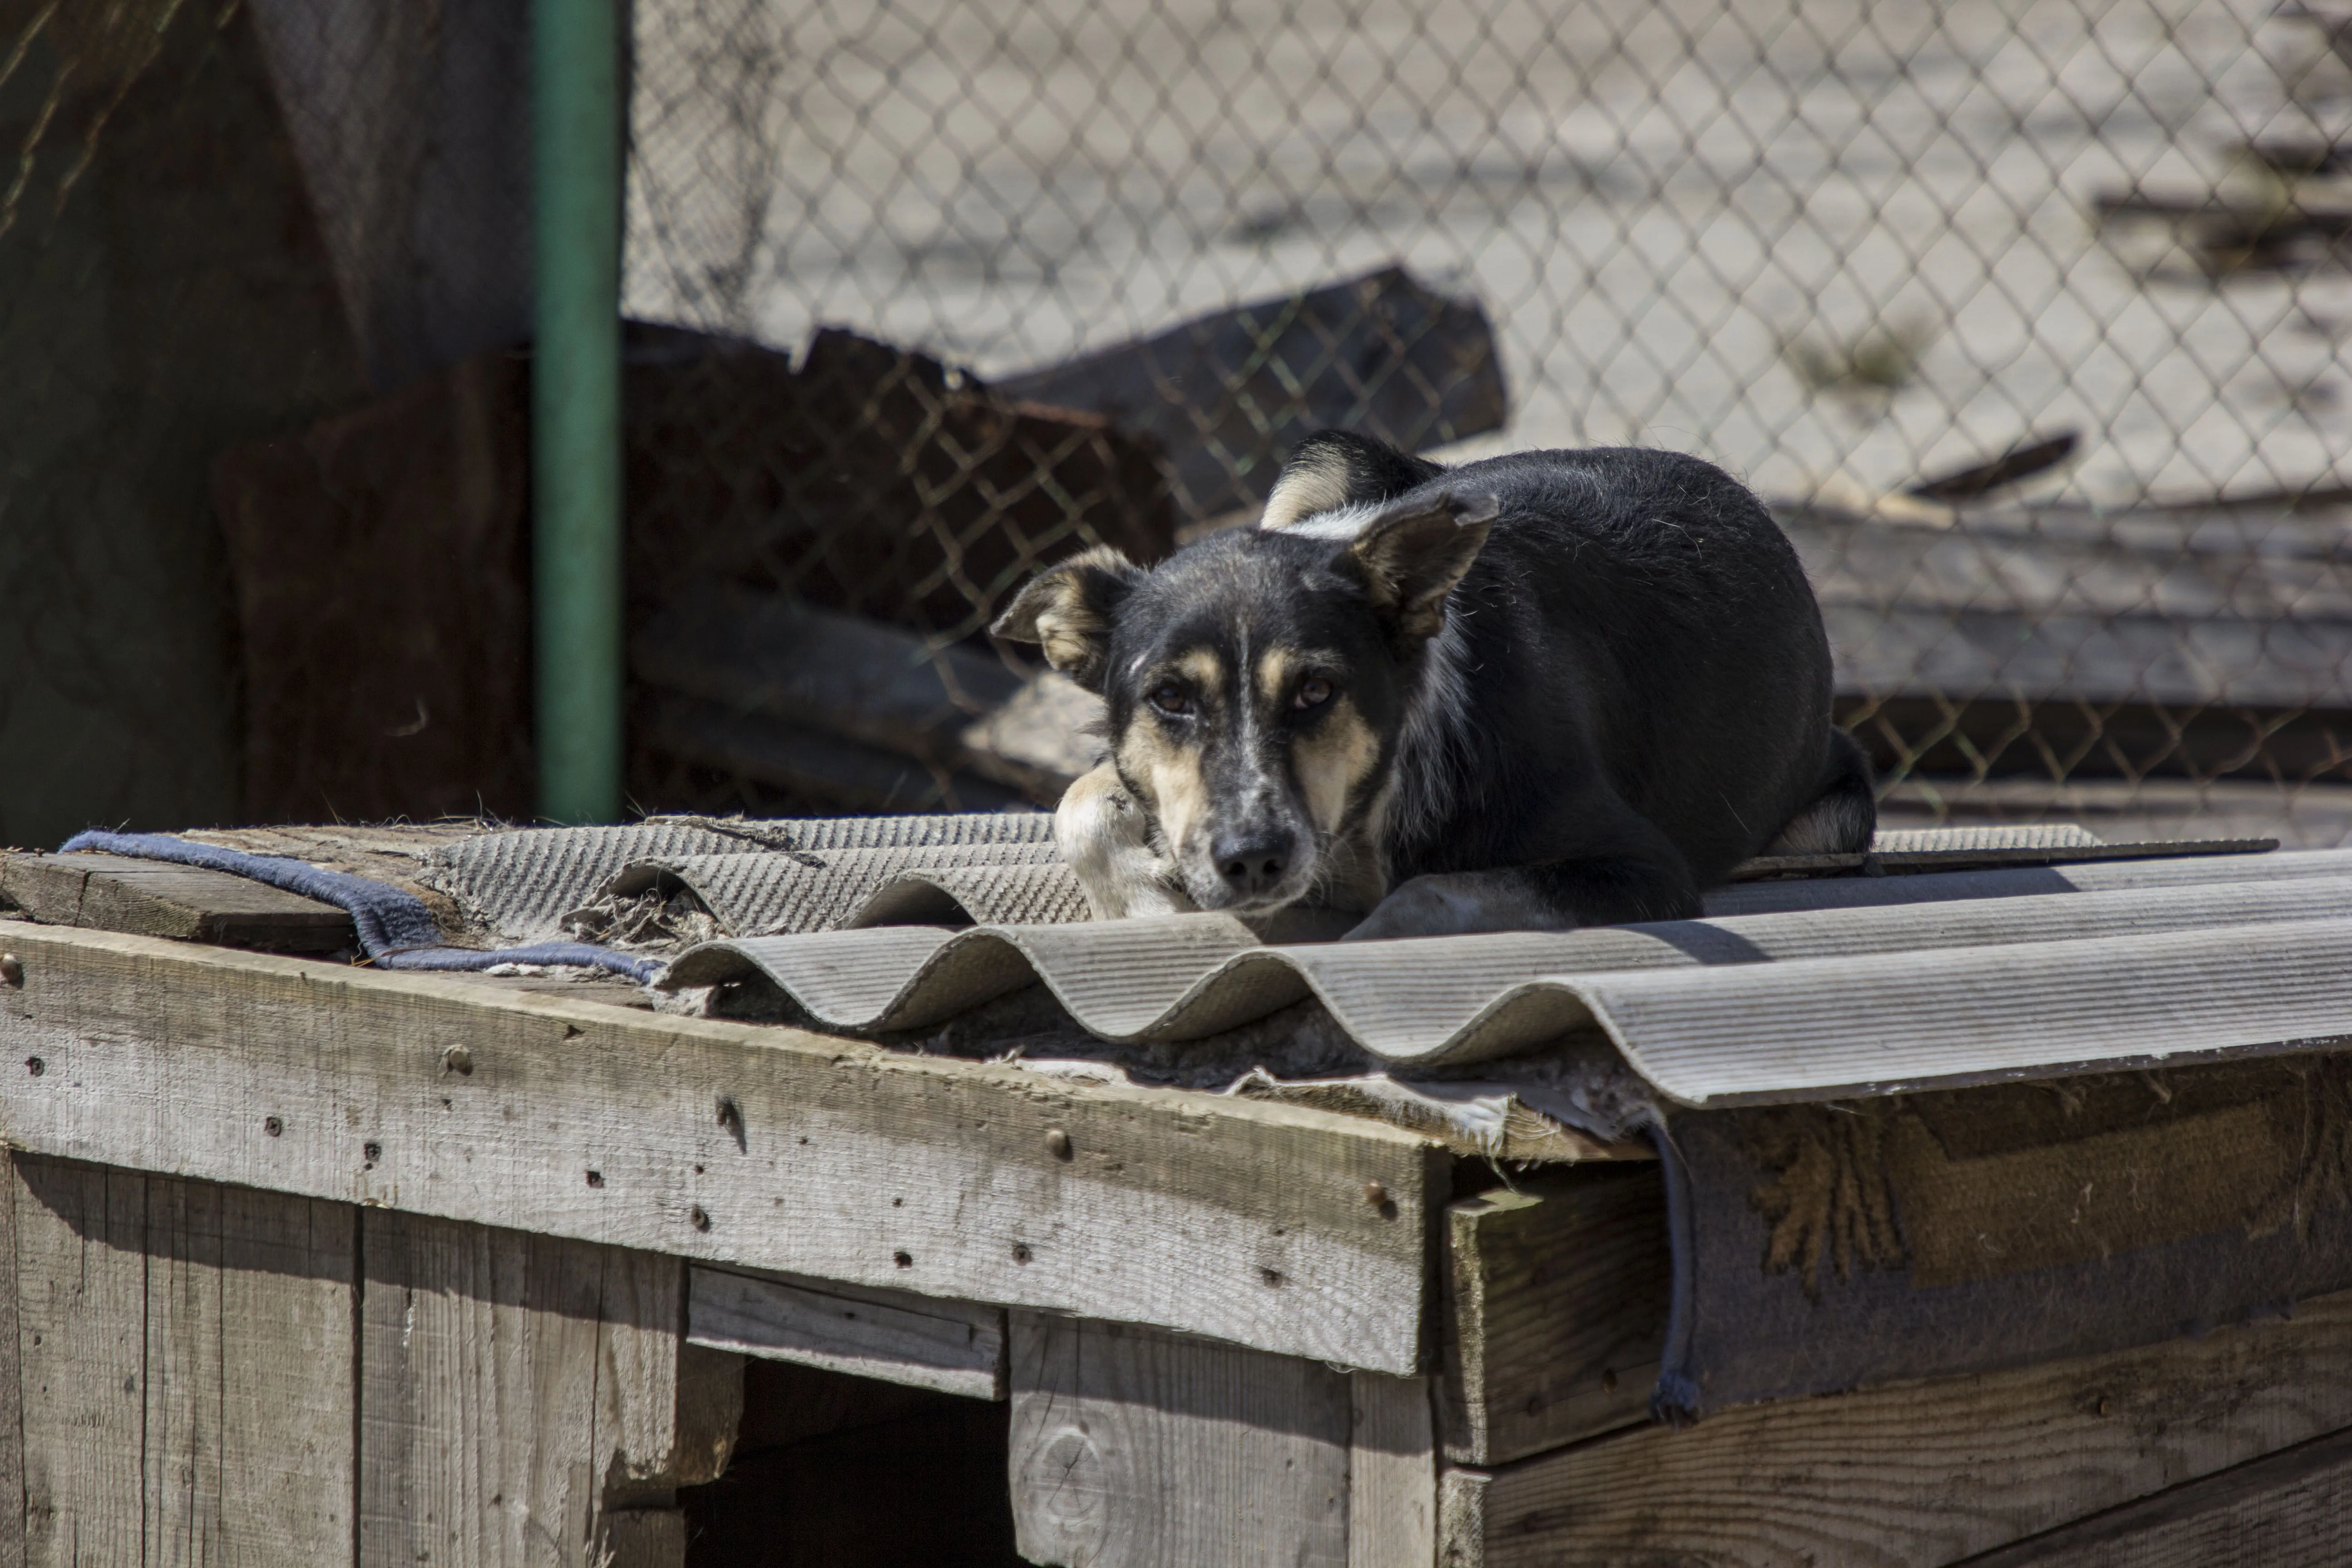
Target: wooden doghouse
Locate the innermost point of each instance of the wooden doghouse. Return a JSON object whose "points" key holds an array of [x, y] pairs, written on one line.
{"points": [[319, 1263]]}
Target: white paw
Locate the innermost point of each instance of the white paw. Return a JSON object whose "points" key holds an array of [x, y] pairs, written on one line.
{"points": [[1105, 838]]}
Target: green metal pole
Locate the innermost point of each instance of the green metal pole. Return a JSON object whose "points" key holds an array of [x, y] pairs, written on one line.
{"points": [[576, 405]]}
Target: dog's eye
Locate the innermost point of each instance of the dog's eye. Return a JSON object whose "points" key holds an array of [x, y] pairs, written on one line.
{"points": [[1170, 700], [1313, 692]]}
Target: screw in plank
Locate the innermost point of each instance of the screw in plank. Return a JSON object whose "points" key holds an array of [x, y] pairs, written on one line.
{"points": [[459, 1060], [595, 1178], [1057, 1143], [372, 1152], [903, 1259], [1376, 1194], [12, 970], [272, 1125], [1020, 1253], [35, 1066], [701, 1220]]}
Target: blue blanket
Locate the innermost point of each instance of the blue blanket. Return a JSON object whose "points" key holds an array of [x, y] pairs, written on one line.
{"points": [[396, 929]]}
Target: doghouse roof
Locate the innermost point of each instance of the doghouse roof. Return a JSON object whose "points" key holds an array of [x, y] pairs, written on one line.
{"points": [[1893, 976]]}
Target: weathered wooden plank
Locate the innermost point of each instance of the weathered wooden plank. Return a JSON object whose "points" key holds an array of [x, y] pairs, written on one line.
{"points": [[640, 1324], [12, 1411], [1133, 1448], [1556, 1309], [762, 657], [289, 1287], [1920, 1474], [181, 1447], [504, 1379], [645, 1537], [833, 1160], [1227, 396], [710, 1413], [109, 892], [1391, 1474], [2292, 1510], [202, 1409], [440, 1435], [951, 1346], [81, 1321]]}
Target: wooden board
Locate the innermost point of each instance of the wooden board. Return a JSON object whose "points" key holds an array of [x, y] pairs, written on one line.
{"points": [[81, 1271], [1556, 1310], [1221, 1216], [12, 1413], [953, 1347], [645, 1537], [1226, 396], [2292, 1510], [150, 898], [1915, 1474], [249, 1337], [1391, 1473], [766, 659], [505, 1381], [1133, 1448], [187, 1353]]}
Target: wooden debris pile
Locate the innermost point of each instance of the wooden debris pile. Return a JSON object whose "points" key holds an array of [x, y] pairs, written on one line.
{"points": [[814, 548]]}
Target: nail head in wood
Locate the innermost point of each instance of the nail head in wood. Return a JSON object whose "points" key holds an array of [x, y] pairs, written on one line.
{"points": [[273, 1125], [1057, 1143], [459, 1060], [35, 1066], [701, 1220], [12, 970], [1376, 1194]]}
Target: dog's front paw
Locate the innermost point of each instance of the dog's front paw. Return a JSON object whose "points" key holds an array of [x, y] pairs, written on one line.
{"points": [[1454, 904], [1105, 837]]}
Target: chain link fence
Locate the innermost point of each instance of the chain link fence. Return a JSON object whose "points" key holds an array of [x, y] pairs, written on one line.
{"points": [[1859, 254], [2025, 317]]}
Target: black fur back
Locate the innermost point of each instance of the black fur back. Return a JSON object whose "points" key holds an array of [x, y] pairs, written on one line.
{"points": [[1637, 627]]}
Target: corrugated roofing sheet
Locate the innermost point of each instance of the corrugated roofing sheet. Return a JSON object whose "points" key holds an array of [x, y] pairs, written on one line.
{"points": [[1839, 986]]}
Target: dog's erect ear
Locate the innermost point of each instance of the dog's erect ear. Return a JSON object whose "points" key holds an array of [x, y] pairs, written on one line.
{"points": [[1067, 609], [1333, 468], [1412, 554]]}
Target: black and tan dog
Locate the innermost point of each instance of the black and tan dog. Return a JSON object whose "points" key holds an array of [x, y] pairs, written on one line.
{"points": [[1551, 689]]}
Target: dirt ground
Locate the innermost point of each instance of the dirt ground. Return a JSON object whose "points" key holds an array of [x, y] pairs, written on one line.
{"points": [[1844, 243]]}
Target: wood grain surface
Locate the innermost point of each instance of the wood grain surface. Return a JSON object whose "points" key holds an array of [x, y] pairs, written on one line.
{"points": [[1133, 1448], [954, 1347], [726, 1142], [1915, 1474], [151, 897], [2292, 1510], [187, 1370], [1556, 1309]]}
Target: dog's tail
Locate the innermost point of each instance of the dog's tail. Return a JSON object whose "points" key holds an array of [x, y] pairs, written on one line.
{"points": [[1842, 815]]}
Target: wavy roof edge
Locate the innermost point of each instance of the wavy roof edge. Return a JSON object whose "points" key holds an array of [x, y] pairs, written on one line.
{"points": [[1929, 980]]}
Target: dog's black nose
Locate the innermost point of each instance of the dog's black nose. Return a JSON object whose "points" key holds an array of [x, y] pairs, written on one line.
{"points": [[1252, 863]]}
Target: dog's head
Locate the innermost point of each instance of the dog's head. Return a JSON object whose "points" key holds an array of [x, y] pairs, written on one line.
{"points": [[1257, 681]]}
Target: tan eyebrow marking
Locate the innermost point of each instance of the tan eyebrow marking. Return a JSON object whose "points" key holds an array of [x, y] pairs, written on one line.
{"points": [[1204, 667], [1272, 674]]}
